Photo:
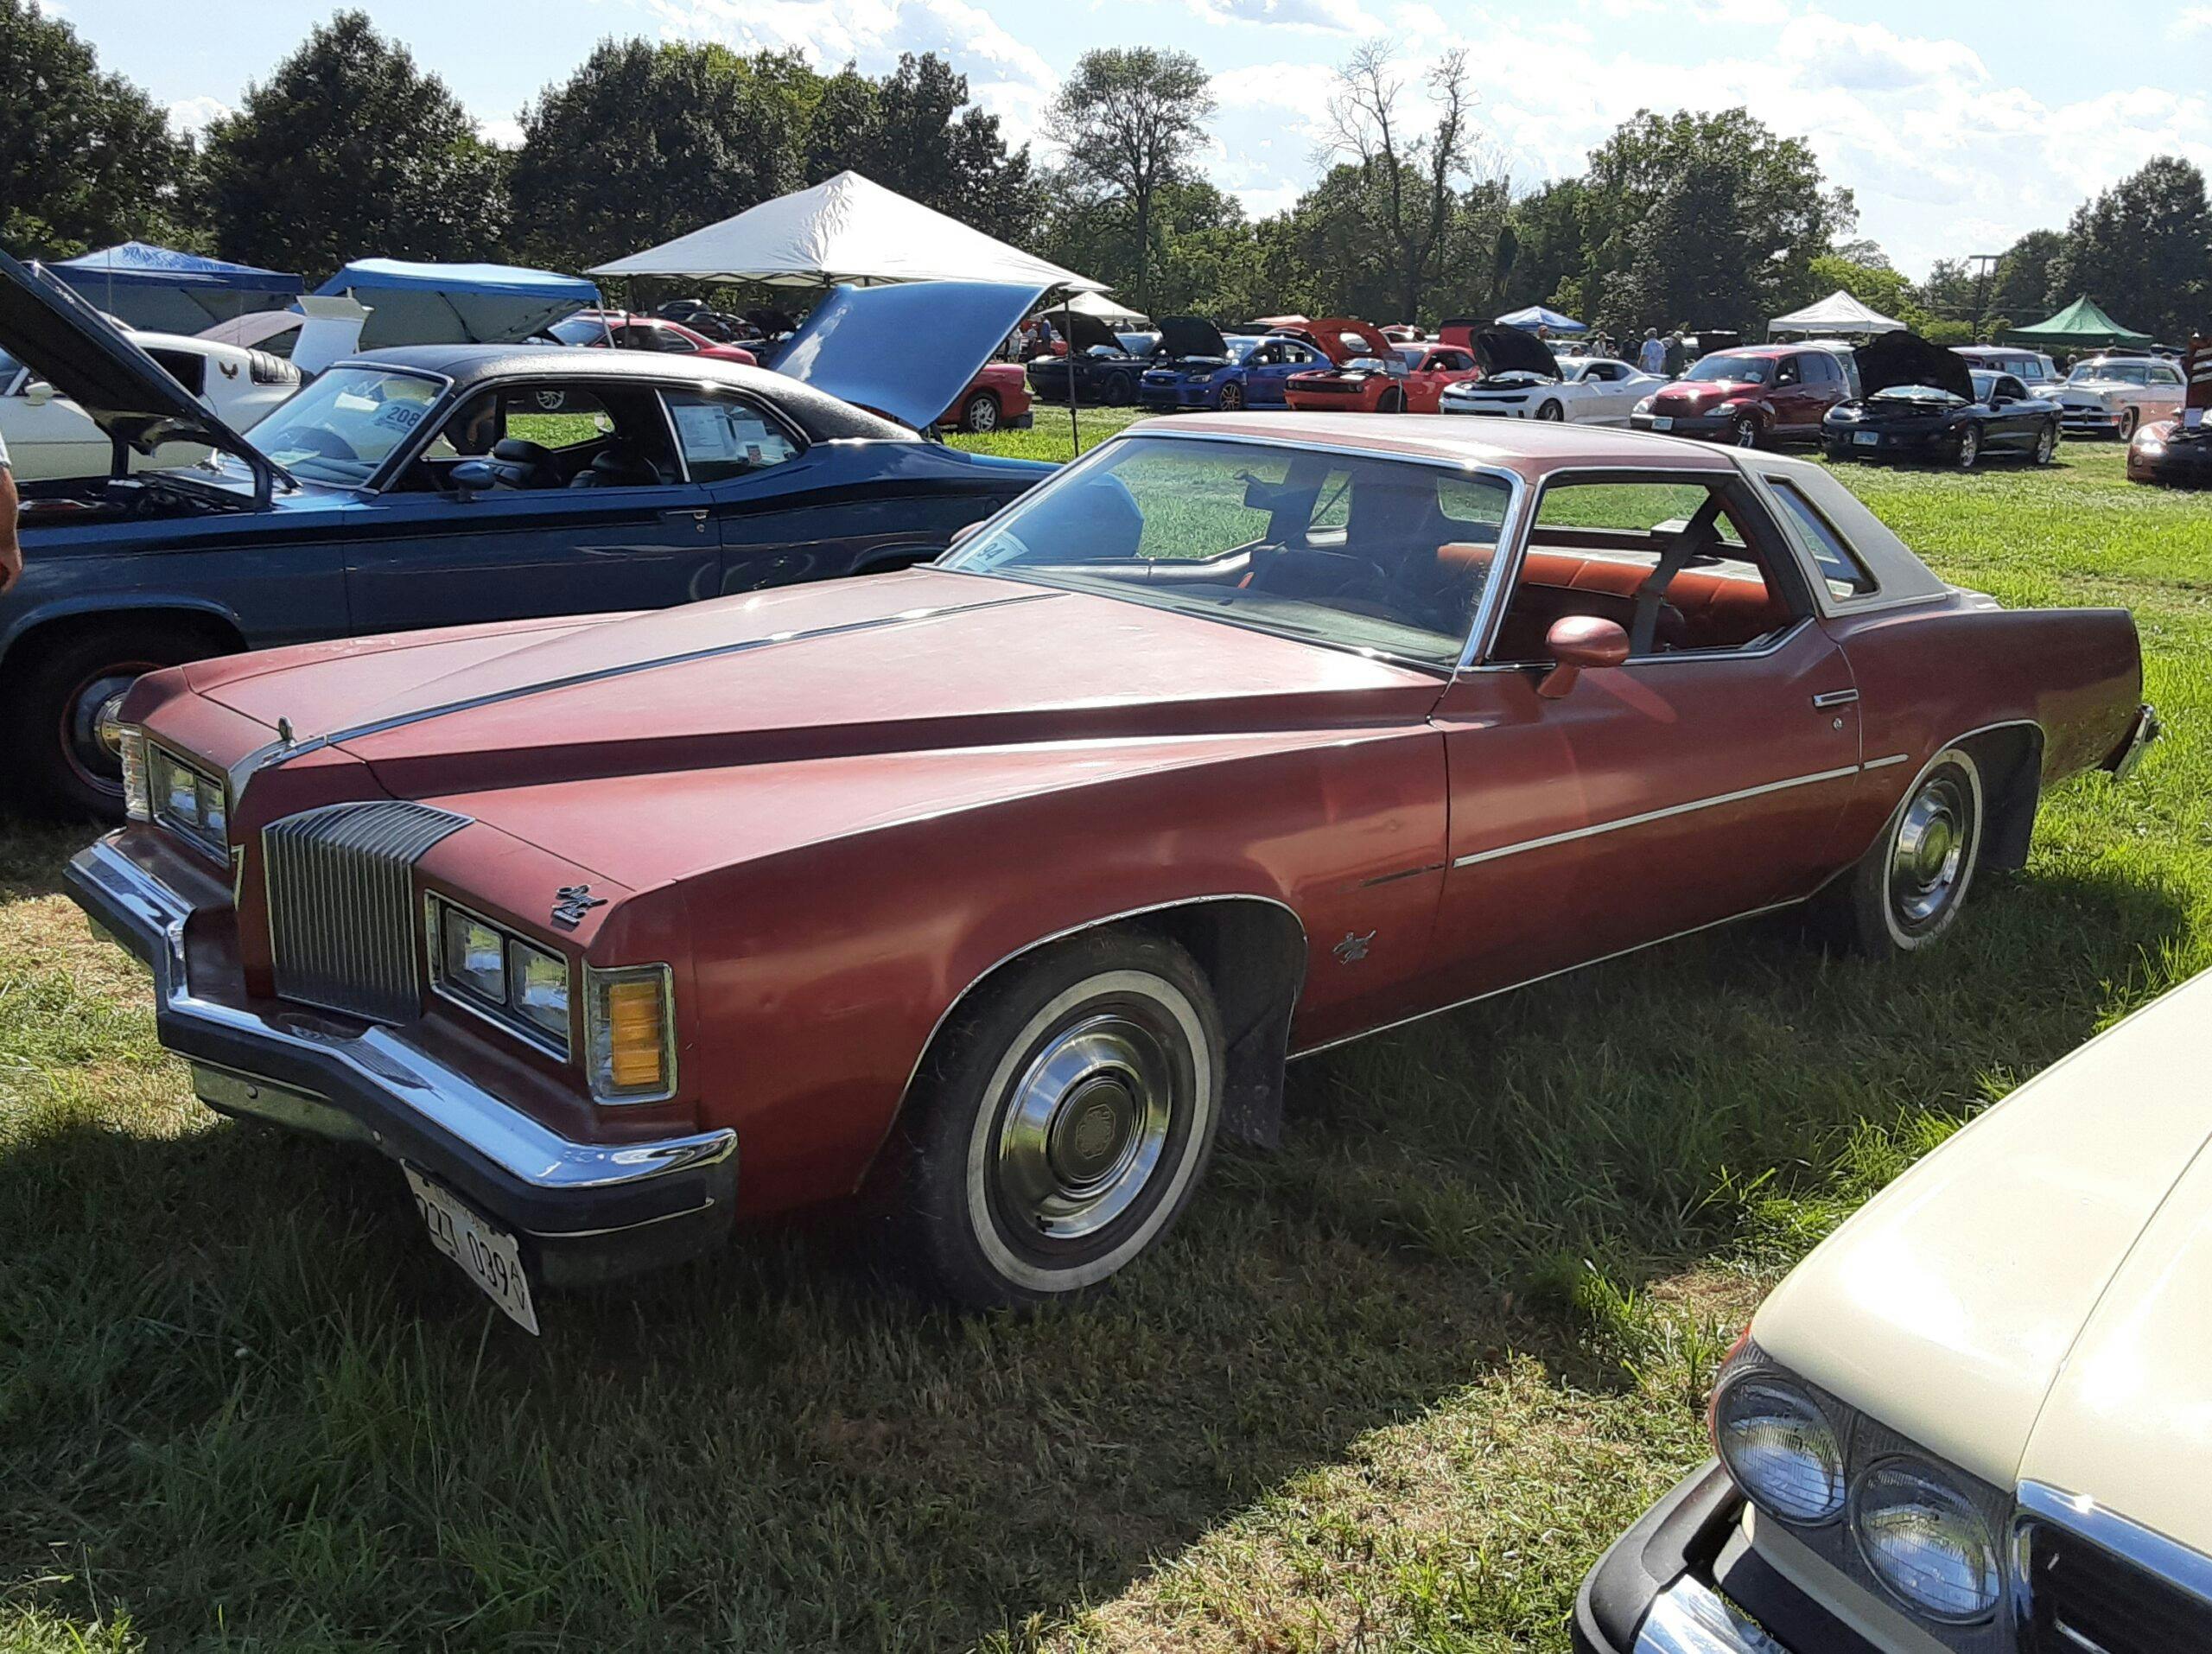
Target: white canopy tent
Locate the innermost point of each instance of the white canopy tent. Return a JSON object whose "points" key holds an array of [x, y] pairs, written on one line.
{"points": [[1839, 315], [1115, 314], [848, 229]]}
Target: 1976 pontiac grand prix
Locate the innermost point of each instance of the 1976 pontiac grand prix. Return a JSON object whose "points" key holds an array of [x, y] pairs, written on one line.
{"points": [[996, 890]]}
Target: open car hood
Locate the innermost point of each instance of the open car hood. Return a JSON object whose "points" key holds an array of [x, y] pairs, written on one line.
{"points": [[1509, 350], [2197, 368], [1895, 359], [1085, 332], [1460, 330], [1329, 336], [45, 326], [859, 343], [1181, 336]]}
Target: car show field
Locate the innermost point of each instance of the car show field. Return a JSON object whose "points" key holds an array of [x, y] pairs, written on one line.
{"points": [[1397, 1383]]}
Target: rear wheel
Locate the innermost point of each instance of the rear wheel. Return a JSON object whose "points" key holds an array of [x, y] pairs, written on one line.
{"points": [[1232, 397], [1061, 1122], [1969, 453], [2047, 444], [59, 717], [2129, 418], [1906, 891], [980, 413], [1553, 411]]}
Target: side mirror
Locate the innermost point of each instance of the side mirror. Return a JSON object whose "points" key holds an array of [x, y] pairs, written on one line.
{"points": [[473, 477], [38, 393], [1580, 643]]}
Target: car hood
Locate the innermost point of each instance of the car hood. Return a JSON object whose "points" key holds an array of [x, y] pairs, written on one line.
{"points": [[882, 668], [1181, 336], [1904, 358], [48, 328], [1697, 392], [1342, 338], [1509, 350], [858, 345], [2029, 1300], [1085, 332]]}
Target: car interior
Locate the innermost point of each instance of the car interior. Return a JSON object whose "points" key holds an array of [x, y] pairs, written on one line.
{"points": [[538, 437]]}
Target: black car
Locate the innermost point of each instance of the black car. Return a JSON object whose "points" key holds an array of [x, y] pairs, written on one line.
{"points": [[1920, 402], [2177, 452], [1099, 366]]}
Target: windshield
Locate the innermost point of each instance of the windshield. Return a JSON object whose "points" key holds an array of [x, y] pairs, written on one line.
{"points": [[580, 330], [343, 426], [2125, 372], [1386, 557], [9, 368], [1750, 370], [1985, 385]]}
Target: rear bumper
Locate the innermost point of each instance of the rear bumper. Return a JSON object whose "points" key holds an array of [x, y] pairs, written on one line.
{"points": [[1684, 1580], [583, 1212], [2146, 728]]}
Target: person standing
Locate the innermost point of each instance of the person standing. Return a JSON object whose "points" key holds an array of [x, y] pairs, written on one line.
{"points": [[11, 550], [1652, 356], [1676, 356]]}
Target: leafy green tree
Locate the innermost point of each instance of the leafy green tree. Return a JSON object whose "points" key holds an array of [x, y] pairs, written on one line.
{"points": [[1549, 262], [1878, 287], [347, 151], [646, 142], [1130, 120], [915, 132], [2143, 250], [2021, 287], [85, 158], [1403, 185]]}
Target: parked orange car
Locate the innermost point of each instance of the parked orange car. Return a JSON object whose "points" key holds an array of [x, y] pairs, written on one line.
{"points": [[1391, 377]]}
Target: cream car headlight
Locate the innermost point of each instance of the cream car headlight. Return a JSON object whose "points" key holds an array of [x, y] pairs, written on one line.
{"points": [[1780, 1448], [1926, 1542]]}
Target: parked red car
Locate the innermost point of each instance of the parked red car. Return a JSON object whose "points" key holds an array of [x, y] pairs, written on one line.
{"points": [[626, 330], [997, 398], [997, 890], [1752, 396], [1397, 378]]}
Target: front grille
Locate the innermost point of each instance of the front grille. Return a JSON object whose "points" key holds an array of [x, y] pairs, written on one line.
{"points": [[2083, 1597], [341, 905]]}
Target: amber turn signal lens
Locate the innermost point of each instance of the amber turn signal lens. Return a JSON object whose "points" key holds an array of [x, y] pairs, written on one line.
{"points": [[633, 1052]]}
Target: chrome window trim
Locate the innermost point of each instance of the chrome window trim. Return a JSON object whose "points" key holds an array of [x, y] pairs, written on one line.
{"points": [[593, 1031], [1773, 643], [498, 1016], [2183, 1566], [1517, 488]]}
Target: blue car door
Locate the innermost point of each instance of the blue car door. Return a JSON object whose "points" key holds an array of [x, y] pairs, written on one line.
{"points": [[593, 512]]}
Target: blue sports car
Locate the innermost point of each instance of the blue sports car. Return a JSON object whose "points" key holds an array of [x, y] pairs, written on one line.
{"points": [[1202, 369], [448, 484]]}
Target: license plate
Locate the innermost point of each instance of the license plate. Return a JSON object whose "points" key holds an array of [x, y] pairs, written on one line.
{"points": [[487, 1254], [1866, 438], [1663, 421]]}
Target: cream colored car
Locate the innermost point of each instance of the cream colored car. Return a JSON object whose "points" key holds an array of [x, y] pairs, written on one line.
{"points": [[2116, 395], [1979, 1418]]}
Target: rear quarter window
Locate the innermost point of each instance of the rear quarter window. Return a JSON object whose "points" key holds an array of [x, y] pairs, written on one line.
{"points": [[1839, 566]]}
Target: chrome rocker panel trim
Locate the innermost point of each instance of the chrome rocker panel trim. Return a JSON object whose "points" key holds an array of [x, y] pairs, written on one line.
{"points": [[413, 1107]]}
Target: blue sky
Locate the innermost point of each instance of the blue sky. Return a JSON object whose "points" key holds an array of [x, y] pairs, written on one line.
{"points": [[1958, 125]]}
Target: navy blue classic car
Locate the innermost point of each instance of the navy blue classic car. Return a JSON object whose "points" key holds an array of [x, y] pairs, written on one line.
{"points": [[442, 485], [1099, 366], [1918, 401]]}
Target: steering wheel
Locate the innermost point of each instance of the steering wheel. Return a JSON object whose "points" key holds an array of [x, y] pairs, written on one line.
{"points": [[1357, 576], [321, 441]]}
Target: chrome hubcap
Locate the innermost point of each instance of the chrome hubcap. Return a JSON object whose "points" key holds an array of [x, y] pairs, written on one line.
{"points": [[1930, 853], [91, 734], [1086, 1126]]}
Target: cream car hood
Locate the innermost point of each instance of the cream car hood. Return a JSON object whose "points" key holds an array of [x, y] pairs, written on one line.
{"points": [[2034, 1299]]}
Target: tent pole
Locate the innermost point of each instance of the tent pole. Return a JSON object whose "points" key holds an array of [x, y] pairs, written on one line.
{"points": [[1075, 430]]}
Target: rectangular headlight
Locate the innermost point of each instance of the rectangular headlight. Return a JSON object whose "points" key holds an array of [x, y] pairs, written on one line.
{"points": [[489, 969], [473, 956], [537, 989], [629, 1024], [180, 794]]}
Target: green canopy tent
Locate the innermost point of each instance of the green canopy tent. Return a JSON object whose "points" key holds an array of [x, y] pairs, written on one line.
{"points": [[2081, 325]]}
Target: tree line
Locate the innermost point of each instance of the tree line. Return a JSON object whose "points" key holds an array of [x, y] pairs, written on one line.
{"points": [[1697, 219]]}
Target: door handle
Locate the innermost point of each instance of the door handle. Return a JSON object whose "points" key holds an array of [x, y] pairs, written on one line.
{"points": [[698, 518], [1836, 697]]}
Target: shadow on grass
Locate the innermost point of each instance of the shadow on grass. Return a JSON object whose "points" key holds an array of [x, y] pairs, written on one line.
{"points": [[238, 1389]]}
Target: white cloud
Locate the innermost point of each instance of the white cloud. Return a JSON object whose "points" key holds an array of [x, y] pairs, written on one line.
{"points": [[1819, 51], [500, 131], [1325, 16], [193, 114]]}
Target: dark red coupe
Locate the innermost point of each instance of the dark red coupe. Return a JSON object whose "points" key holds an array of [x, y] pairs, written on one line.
{"points": [[996, 892]]}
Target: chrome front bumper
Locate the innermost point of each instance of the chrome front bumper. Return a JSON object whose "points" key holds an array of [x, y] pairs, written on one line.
{"points": [[588, 1211]]}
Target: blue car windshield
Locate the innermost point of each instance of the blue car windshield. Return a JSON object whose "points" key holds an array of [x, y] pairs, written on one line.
{"points": [[346, 424]]}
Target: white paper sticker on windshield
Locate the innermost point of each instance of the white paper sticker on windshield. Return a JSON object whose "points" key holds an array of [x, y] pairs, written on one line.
{"points": [[706, 433]]}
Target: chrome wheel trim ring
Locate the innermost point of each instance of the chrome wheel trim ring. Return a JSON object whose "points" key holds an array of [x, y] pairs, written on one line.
{"points": [[1133, 1176], [1931, 853], [1746, 431], [2046, 445], [92, 733], [1969, 448]]}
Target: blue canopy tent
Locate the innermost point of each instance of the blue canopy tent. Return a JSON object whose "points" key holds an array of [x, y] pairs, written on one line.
{"points": [[166, 291], [1536, 316], [485, 305]]}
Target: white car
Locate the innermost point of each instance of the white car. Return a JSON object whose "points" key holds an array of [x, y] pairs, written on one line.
{"points": [[2032, 368], [1979, 1418], [49, 436], [1523, 379], [2112, 396]]}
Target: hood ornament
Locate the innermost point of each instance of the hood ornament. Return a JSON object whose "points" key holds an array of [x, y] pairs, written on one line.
{"points": [[284, 731], [575, 902]]}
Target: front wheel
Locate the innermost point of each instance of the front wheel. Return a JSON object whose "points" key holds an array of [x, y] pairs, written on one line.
{"points": [[1743, 431], [1969, 448], [1393, 402], [1552, 410], [2129, 418], [57, 712], [1061, 1122], [1905, 891], [1114, 391], [981, 414], [1233, 399], [2047, 445]]}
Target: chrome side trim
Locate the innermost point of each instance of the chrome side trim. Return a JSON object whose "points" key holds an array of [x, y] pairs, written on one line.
{"points": [[441, 1096], [1647, 816], [1836, 697], [1883, 763], [2183, 1566], [1530, 981], [278, 751]]}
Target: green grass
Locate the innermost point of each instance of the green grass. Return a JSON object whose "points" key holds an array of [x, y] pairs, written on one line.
{"points": [[1392, 1386]]}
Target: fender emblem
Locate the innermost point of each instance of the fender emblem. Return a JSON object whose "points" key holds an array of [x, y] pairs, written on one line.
{"points": [[575, 901], [1353, 948]]}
